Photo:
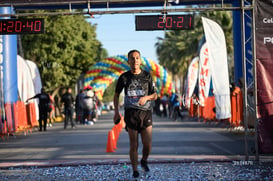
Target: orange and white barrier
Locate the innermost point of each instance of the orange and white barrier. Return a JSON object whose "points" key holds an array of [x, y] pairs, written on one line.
{"points": [[206, 112], [31, 115], [236, 107], [18, 118]]}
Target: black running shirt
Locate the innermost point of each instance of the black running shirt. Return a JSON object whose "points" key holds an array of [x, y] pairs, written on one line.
{"points": [[136, 86]]}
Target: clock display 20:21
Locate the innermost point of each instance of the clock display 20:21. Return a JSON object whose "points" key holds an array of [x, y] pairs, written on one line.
{"points": [[21, 26], [175, 22], [164, 22]]}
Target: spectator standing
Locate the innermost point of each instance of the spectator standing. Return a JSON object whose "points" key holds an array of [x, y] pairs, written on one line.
{"points": [[51, 111], [68, 101], [164, 102], [89, 105], [44, 103], [176, 104], [95, 114], [157, 103], [79, 107]]}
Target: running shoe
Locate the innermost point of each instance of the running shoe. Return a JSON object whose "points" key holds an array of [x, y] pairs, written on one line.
{"points": [[135, 175], [144, 165]]}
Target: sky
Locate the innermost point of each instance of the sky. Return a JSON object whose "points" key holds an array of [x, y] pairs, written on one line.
{"points": [[118, 35]]}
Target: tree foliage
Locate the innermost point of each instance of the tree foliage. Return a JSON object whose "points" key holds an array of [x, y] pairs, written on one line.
{"points": [[109, 92], [65, 51]]}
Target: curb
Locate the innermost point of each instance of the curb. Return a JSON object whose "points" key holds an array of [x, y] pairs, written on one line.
{"points": [[163, 159]]}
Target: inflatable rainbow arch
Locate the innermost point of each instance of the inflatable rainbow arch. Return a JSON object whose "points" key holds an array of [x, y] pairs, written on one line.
{"points": [[103, 73]]}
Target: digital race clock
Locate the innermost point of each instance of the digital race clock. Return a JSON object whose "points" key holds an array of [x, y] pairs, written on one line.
{"points": [[167, 22], [21, 26]]}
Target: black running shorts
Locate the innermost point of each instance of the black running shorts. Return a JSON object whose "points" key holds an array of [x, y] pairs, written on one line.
{"points": [[138, 119]]}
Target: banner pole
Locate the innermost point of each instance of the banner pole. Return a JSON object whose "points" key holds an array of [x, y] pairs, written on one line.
{"points": [[255, 81], [244, 80]]}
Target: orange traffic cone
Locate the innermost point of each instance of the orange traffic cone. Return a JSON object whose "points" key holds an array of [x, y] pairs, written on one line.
{"points": [[111, 142], [116, 131], [114, 139], [119, 126], [122, 122]]}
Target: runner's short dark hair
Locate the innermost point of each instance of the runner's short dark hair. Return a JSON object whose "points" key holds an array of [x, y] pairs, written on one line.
{"points": [[132, 51]]}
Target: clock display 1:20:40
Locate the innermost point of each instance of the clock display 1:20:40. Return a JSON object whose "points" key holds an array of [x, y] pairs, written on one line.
{"points": [[21, 26]]}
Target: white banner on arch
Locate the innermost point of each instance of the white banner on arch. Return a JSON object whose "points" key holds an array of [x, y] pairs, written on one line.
{"points": [[204, 74], [216, 43], [191, 80]]}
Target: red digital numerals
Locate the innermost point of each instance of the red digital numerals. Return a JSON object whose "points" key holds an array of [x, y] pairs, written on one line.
{"points": [[176, 22], [21, 26]]}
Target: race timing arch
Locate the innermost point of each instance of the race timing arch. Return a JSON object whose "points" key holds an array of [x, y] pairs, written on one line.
{"points": [[105, 72], [8, 9], [8, 43]]}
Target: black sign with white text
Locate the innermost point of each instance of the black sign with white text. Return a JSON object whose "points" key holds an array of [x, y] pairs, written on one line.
{"points": [[264, 69]]}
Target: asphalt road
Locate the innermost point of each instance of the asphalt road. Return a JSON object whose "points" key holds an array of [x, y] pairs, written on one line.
{"points": [[186, 139]]}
